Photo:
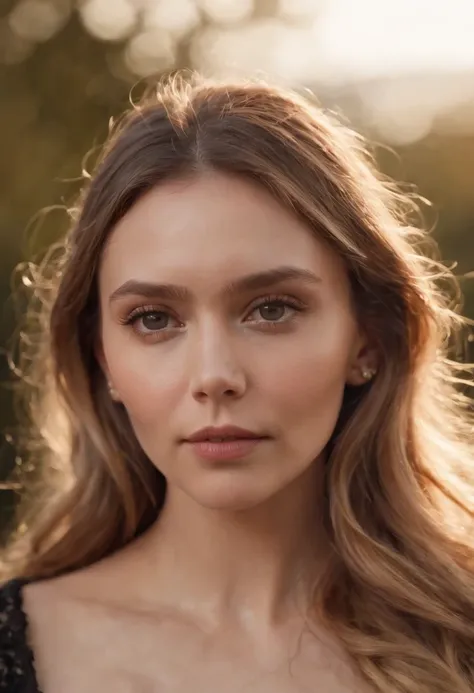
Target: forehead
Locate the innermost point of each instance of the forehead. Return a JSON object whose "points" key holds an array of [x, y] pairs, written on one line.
{"points": [[211, 227]]}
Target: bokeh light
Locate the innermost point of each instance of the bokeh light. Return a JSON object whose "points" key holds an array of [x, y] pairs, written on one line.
{"points": [[227, 11], [149, 52], [381, 51], [177, 17], [37, 20], [109, 20]]}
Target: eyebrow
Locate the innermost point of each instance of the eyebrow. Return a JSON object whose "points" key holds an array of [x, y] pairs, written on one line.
{"points": [[250, 282]]}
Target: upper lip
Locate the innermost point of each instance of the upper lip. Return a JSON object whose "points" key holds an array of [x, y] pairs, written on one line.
{"points": [[222, 432]]}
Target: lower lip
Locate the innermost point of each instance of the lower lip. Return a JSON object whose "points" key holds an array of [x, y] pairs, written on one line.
{"points": [[226, 450]]}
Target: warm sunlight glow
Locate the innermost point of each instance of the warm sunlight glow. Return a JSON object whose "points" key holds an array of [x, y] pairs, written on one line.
{"points": [[408, 63], [369, 38]]}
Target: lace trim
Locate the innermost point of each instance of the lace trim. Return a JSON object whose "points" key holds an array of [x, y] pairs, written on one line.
{"points": [[17, 665]]}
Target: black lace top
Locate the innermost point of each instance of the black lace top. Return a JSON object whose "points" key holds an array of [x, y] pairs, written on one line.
{"points": [[17, 670]]}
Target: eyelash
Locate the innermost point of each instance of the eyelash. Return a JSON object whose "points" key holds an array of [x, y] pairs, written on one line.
{"points": [[287, 301]]}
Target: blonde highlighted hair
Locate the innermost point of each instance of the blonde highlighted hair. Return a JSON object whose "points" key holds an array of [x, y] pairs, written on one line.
{"points": [[399, 588]]}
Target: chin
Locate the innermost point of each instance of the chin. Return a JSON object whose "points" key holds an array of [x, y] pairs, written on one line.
{"points": [[229, 494]]}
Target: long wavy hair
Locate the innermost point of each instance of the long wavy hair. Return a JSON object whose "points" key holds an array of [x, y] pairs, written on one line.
{"points": [[399, 503]]}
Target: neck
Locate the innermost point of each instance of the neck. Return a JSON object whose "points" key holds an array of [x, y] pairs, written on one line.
{"points": [[255, 564]]}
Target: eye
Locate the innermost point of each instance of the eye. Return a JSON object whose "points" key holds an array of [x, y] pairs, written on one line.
{"points": [[147, 321], [276, 310], [272, 310], [153, 320]]}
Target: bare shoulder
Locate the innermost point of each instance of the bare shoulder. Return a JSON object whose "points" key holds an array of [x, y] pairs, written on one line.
{"points": [[55, 608], [95, 585], [71, 613], [70, 623], [47, 597]]}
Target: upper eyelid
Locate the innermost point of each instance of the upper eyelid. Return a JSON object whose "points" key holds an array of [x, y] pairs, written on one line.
{"points": [[147, 309], [292, 301], [276, 297], [138, 312], [257, 301]]}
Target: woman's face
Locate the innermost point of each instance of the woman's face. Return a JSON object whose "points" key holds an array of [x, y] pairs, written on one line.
{"points": [[219, 307]]}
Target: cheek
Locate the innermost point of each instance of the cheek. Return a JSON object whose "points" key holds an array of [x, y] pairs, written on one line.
{"points": [[150, 387], [150, 394], [301, 383], [305, 388]]}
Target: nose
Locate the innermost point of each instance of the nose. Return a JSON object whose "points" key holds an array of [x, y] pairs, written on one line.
{"points": [[216, 372]]}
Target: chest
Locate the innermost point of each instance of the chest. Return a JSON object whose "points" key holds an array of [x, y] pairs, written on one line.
{"points": [[150, 655]]}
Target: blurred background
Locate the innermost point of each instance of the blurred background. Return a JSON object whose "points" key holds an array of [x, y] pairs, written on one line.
{"points": [[400, 71]]}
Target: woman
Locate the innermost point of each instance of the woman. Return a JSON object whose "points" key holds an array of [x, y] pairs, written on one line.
{"points": [[260, 463]]}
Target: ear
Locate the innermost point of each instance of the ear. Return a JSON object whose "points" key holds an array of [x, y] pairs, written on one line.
{"points": [[100, 356], [363, 361]]}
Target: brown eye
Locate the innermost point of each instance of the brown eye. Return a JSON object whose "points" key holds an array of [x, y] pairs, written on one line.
{"points": [[272, 310], [275, 311], [155, 320]]}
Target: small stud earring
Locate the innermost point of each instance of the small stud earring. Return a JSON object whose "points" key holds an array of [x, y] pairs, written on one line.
{"points": [[113, 392], [368, 373]]}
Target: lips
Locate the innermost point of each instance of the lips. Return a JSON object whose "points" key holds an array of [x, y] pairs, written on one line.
{"points": [[223, 434], [227, 449]]}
